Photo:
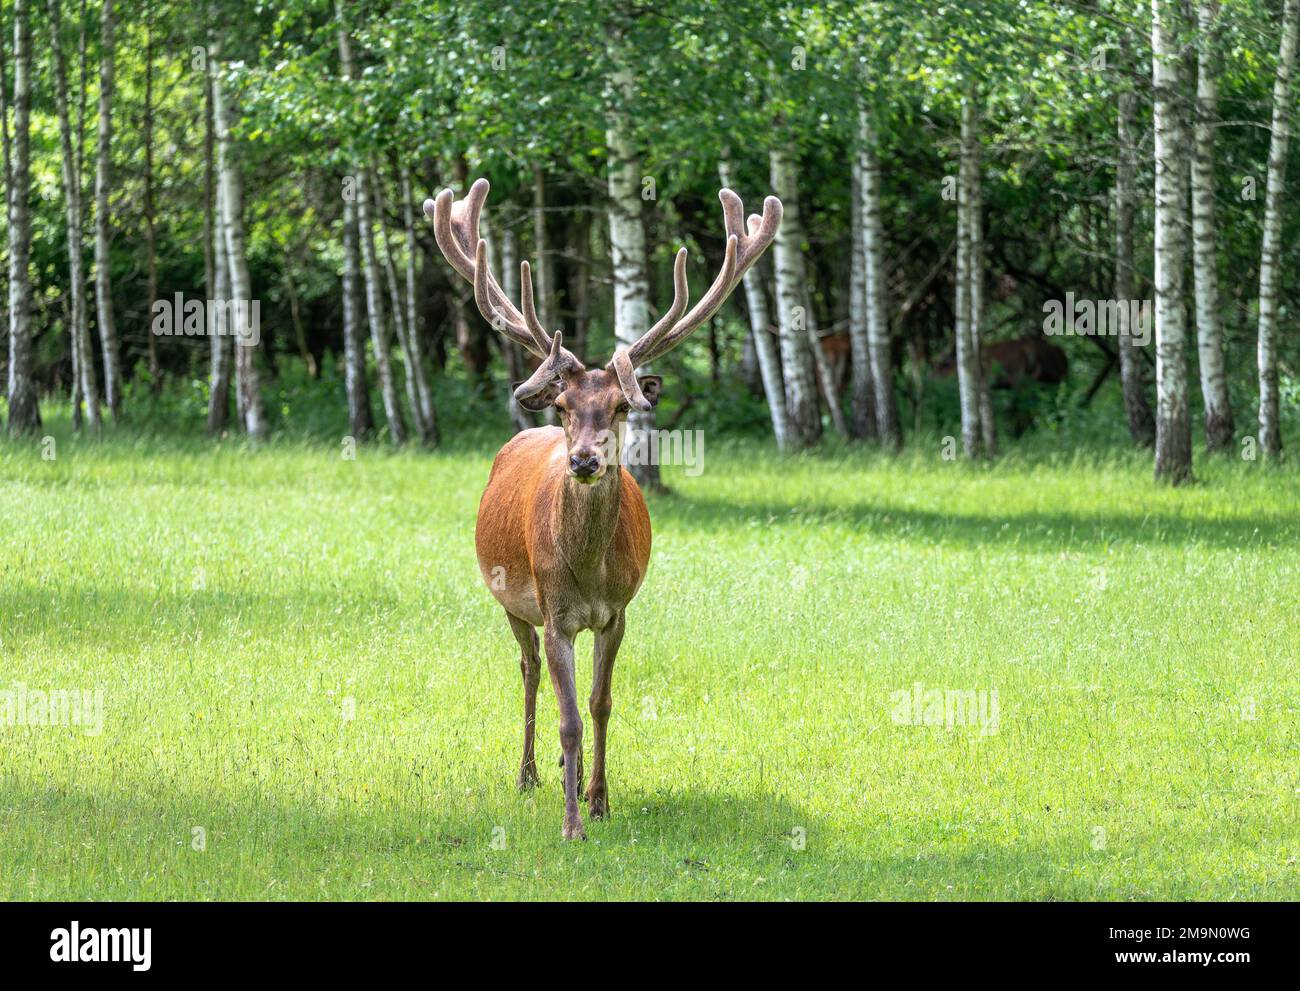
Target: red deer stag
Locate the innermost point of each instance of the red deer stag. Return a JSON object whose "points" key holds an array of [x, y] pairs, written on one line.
{"points": [[563, 535]]}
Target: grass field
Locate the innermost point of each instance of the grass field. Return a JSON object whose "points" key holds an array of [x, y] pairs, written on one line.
{"points": [[298, 660]]}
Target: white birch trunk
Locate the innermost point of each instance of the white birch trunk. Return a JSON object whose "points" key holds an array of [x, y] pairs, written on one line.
{"points": [[84, 384], [1173, 421], [397, 308], [975, 220], [103, 229], [360, 421], [803, 415], [24, 411], [1209, 323], [424, 388], [966, 356], [627, 240], [219, 345], [769, 361], [876, 301], [248, 392], [1270, 433], [862, 397]]}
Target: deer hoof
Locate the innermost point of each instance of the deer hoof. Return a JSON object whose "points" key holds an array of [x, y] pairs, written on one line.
{"points": [[528, 777], [573, 830], [597, 805]]}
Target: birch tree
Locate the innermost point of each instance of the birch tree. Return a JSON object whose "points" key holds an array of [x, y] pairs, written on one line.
{"points": [[248, 393], [967, 354], [219, 343], [862, 399], [405, 328], [85, 386], [878, 361], [354, 348], [103, 219], [769, 361], [803, 416], [1173, 427], [1270, 432], [1209, 324], [150, 218], [627, 236], [24, 412], [424, 389], [370, 268]]}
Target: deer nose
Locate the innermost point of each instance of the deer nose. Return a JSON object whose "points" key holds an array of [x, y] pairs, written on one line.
{"points": [[584, 467]]}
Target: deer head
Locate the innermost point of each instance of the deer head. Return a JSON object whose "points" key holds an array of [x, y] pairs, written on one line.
{"points": [[593, 403]]}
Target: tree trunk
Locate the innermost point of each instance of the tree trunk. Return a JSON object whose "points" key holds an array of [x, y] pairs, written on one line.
{"points": [[103, 230], [1173, 421], [248, 393], [760, 332], [404, 332], [1209, 325], [219, 344], [370, 272], [1141, 422], [150, 226], [876, 298], [862, 400], [804, 418], [84, 381], [360, 420], [627, 238], [24, 412], [1270, 433], [424, 388], [375, 311], [8, 154], [975, 221], [966, 351]]}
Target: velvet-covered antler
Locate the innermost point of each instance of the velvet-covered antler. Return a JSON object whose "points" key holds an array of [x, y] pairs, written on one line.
{"points": [[455, 227]]}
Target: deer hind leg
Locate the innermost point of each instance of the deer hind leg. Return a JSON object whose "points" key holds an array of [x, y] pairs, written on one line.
{"points": [[559, 661], [530, 666], [601, 704]]}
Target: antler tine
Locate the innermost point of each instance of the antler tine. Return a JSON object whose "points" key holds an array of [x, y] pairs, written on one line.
{"points": [[558, 363], [530, 313], [455, 228], [745, 243]]}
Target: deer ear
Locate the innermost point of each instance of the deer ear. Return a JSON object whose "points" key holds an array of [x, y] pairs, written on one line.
{"points": [[651, 387], [538, 401]]}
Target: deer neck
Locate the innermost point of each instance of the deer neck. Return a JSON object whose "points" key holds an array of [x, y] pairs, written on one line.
{"points": [[585, 517]]}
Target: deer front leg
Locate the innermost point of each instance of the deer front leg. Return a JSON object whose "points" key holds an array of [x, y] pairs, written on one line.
{"points": [[559, 661], [530, 666], [601, 704]]}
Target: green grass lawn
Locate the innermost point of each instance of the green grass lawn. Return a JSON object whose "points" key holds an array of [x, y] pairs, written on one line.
{"points": [[237, 606]]}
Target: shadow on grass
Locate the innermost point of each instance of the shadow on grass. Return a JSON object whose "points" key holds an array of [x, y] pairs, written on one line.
{"points": [[1037, 529]]}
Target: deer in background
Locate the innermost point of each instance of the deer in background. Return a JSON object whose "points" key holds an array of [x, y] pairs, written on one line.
{"points": [[563, 534]]}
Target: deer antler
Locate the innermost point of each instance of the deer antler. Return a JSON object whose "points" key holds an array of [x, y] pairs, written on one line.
{"points": [[455, 227], [743, 249]]}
